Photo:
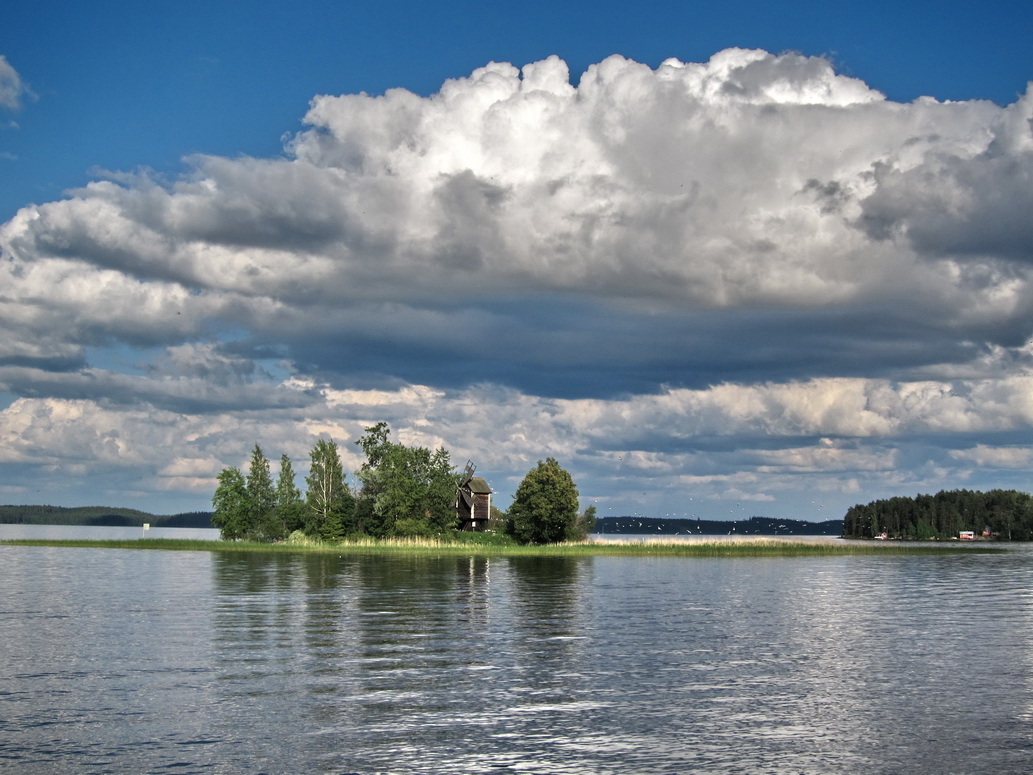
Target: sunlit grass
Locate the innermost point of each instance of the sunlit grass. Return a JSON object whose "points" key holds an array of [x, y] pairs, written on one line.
{"points": [[500, 546]]}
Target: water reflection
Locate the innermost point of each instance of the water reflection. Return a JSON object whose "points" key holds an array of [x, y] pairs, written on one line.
{"points": [[548, 624], [473, 579], [419, 653], [547, 592], [152, 661]]}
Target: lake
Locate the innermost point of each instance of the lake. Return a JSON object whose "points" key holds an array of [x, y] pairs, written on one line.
{"points": [[145, 661], [91, 533]]}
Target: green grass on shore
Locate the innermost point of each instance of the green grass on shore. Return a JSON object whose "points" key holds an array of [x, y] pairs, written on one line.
{"points": [[483, 545]]}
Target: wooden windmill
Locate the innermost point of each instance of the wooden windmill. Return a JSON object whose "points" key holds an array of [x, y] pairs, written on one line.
{"points": [[473, 500]]}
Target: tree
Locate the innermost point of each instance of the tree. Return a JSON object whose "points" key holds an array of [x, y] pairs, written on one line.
{"points": [[330, 503], [545, 507], [496, 520], [232, 511], [290, 507], [584, 524], [406, 491], [263, 519]]}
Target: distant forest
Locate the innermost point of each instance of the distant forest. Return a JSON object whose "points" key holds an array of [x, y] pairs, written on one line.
{"points": [[1005, 515], [99, 516], [751, 526]]}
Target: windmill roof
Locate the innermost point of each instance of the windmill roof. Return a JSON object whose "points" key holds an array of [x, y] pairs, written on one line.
{"points": [[477, 484]]}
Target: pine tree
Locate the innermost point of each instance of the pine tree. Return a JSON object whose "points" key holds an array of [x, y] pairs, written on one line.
{"points": [[263, 522], [290, 508]]}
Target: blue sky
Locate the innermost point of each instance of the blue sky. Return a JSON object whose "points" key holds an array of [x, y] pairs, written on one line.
{"points": [[120, 85], [785, 272]]}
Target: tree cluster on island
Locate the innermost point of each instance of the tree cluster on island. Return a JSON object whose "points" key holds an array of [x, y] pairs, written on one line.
{"points": [[401, 492], [999, 514]]}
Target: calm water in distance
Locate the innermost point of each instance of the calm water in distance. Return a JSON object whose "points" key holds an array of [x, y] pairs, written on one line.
{"points": [[128, 661], [91, 533]]}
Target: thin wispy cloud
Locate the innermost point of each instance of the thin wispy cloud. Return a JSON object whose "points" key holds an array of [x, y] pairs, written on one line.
{"points": [[12, 89]]}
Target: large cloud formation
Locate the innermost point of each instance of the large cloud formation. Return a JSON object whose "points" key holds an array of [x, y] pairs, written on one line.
{"points": [[750, 279]]}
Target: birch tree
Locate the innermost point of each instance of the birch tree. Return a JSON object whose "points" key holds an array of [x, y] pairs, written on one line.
{"points": [[330, 503]]}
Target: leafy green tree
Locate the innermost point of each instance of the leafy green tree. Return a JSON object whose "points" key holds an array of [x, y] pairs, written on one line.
{"points": [[231, 505], [406, 491], [584, 524], [290, 507], [545, 507], [330, 503], [375, 444]]}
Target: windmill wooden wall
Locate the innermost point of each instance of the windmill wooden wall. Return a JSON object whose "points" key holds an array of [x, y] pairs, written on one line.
{"points": [[473, 504]]}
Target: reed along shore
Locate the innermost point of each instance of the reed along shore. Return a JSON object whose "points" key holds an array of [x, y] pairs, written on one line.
{"points": [[751, 546]]}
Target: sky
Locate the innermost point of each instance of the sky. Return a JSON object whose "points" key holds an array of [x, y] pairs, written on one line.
{"points": [[719, 261]]}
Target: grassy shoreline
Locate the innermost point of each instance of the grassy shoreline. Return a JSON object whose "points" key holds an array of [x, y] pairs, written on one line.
{"points": [[745, 547]]}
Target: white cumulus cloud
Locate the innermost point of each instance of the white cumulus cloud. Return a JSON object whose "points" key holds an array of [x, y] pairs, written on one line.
{"points": [[704, 269]]}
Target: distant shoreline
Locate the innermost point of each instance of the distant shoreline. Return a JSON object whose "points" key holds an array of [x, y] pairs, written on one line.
{"points": [[646, 546], [100, 516], [108, 516], [760, 526], [696, 538]]}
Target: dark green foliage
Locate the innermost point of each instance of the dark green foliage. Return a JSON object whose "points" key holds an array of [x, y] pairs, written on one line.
{"points": [[246, 507], [584, 524], [1005, 514], [743, 527], [331, 506], [232, 510], [81, 515], [264, 521], [253, 509], [290, 508], [406, 491], [545, 507], [200, 519], [100, 516]]}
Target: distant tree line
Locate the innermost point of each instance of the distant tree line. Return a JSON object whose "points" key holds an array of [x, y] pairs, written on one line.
{"points": [[107, 516], [400, 491], [1003, 514], [751, 526]]}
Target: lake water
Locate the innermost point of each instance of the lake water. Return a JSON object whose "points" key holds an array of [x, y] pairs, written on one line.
{"points": [[129, 661], [90, 533]]}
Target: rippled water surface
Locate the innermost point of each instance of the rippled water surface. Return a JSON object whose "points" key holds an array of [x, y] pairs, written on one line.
{"points": [[150, 661]]}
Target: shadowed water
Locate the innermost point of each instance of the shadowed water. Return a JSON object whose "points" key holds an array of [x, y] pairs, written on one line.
{"points": [[147, 661]]}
